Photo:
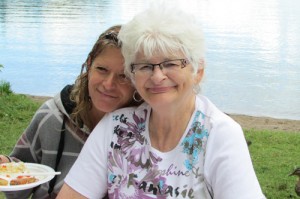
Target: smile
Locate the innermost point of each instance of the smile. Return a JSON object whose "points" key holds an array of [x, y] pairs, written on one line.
{"points": [[160, 89], [107, 95]]}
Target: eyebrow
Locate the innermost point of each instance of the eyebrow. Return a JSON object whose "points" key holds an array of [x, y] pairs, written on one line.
{"points": [[148, 62], [108, 68]]}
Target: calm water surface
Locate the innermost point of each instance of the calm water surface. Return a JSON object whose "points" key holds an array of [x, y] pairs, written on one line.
{"points": [[253, 48]]}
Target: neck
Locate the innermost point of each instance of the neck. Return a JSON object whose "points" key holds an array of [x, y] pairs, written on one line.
{"points": [[95, 116], [166, 124]]}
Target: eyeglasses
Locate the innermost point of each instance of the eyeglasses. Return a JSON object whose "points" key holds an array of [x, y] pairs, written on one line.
{"points": [[166, 66]]}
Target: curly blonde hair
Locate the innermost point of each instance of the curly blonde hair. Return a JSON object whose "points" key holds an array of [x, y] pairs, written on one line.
{"points": [[80, 92]]}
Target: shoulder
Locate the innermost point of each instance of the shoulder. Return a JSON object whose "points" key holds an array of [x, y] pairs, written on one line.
{"points": [[45, 109], [225, 135], [54, 106], [56, 103], [51, 104], [218, 121], [140, 111], [125, 119], [49, 110]]}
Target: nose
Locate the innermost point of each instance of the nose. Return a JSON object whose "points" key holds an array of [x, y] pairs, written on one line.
{"points": [[158, 74], [109, 82]]}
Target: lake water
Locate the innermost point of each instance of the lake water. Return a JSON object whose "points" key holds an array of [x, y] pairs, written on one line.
{"points": [[253, 48]]}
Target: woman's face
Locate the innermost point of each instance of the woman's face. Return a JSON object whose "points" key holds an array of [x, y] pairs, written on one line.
{"points": [[168, 86], [107, 87]]}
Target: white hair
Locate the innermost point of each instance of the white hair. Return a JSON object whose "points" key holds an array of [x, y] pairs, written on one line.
{"points": [[162, 29]]}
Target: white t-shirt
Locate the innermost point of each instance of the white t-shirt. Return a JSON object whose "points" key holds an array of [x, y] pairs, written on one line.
{"points": [[210, 161]]}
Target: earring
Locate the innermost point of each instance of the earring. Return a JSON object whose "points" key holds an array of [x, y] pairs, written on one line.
{"points": [[197, 89], [137, 98], [90, 103]]}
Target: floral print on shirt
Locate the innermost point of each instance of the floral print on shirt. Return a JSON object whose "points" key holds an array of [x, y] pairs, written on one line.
{"points": [[134, 168]]}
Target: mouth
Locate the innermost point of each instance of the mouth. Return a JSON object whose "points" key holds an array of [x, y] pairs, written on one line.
{"points": [[107, 95], [157, 90]]}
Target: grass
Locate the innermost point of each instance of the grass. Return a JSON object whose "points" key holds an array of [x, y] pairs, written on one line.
{"points": [[5, 87], [275, 154], [16, 112]]}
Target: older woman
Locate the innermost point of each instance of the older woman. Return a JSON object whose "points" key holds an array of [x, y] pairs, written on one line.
{"points": [[177, 144]]}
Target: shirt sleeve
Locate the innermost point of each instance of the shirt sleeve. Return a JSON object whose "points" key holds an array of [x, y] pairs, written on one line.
{"points": [[88, 176], [28, 147], [228, 167], [27, 144]]}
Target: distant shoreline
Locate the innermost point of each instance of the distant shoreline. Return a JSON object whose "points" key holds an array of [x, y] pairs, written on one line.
{"points": [[247, 122]]}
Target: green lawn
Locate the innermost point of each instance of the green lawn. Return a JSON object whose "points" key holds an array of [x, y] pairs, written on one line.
{"points": [[275, 154], [16, 112]]}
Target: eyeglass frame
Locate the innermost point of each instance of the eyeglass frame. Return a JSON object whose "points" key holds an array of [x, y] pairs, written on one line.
{"points": [[184, 63]]}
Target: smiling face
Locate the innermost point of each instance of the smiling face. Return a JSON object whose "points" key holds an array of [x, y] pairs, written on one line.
{"points": [[107, 88], [168, 86]]}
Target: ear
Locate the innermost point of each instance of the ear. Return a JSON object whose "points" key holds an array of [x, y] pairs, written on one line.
{"points": [[200, 72], [88, 63], [88, 67]]}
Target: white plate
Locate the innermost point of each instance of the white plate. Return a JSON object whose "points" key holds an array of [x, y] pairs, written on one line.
{"points": [[33, 168]]}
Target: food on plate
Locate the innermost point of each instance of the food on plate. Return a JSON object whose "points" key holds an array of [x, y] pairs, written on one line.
{"points": [[15, 173], [3, 182], [23, 180], [13, 167]]}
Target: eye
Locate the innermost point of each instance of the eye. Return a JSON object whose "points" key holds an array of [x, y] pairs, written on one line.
{"points": [[144, 67], [101, 69], [170, 64]]}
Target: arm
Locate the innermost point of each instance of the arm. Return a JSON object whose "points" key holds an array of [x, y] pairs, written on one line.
{"points": [[67, 192], [88, 175], [29, 146], [228, 166], [29, 143]]}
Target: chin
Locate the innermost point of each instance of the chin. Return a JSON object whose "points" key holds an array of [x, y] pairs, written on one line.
{"points": [[106, 108]]}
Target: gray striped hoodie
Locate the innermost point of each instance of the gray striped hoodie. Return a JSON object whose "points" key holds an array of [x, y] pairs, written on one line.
{"points": [[39, 143]]}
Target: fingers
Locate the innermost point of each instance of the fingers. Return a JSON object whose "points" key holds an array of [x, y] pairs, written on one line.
{"points": [[4, 159]]}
